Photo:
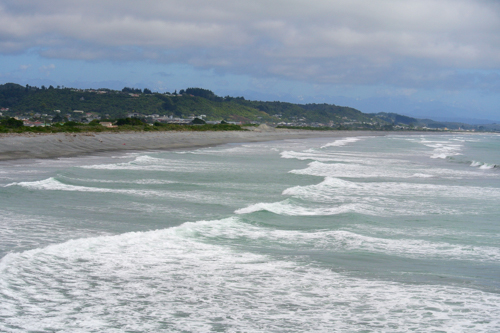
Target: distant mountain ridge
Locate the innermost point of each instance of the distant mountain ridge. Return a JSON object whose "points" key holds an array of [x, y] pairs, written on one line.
{"points": [[113, 104], [429, 123]]}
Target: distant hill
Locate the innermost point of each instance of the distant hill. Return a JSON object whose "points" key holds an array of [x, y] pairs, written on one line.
{"points": [[415, 122], [191, 101], [113, 104]]}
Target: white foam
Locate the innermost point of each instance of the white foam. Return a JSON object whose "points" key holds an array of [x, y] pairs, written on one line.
{"points": [[374, 206], [332, 186], [289, 209], [476, 164], [352, 170], [128, 181], [443, 149], [337, 196], [52, 184], [342, 240], [482, 165], [169, 280], [422, 175], [487, 166], [148, 163], [55, 185], [20, 232], [344, 157], [231, 150], [341, 142]]}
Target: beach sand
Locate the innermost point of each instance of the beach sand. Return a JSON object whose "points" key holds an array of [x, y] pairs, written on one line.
{"points": [[27, 146]]}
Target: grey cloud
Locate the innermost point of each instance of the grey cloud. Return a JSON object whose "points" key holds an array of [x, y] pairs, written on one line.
{"points": [[409, 43]]}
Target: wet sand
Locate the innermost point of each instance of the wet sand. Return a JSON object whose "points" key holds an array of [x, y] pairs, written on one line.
{"points": [[26, 146]]}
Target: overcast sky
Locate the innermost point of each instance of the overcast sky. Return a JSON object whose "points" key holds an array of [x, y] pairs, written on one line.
{"points": [[437, 58]]}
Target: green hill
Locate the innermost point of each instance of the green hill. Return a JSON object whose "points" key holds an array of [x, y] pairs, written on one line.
{"points": [[31, 101], [415, 122]]}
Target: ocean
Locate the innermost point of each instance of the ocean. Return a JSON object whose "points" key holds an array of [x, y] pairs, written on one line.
{"points": [[367, 234]]}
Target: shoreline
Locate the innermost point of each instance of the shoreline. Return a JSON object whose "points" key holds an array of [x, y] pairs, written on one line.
{"points": [[46, 146]]}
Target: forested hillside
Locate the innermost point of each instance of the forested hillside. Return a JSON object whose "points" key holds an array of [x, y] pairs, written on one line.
{"points": [[189, 102], [28, 101]]}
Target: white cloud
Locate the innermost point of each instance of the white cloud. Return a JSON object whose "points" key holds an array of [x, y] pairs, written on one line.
{"points": [[409, 43]]}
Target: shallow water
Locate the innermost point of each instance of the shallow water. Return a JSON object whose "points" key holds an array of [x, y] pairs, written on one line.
{"points": [[368, 234]]}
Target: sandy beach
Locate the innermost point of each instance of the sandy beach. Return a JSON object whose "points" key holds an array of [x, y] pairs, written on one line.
{"points": [[26, 146]]}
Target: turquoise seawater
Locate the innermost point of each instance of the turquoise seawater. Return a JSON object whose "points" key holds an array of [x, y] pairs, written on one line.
{"points": [[369, 234]]}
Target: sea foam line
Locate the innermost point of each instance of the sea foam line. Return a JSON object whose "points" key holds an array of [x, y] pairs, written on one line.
{"points": [[148, 163], [342, 204], [332, 186], [348, 170], [52, 184]]}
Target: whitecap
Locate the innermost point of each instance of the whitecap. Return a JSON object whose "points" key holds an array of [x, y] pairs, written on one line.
{"points": [[52, 184], [341, 142], [149, 163], [343, 204], [290, 209], [355, 170], [483, 166], [331, 187]]}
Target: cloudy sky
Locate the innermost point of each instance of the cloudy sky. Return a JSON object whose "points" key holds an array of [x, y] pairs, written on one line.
{"points": [[425, 58]]}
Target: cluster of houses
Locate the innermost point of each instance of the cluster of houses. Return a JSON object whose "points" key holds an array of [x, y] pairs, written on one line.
{"points": [[39, 119], [173, 120], [344, 121], [43, 119]]}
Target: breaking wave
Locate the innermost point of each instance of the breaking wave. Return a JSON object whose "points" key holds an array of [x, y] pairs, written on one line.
{"points": [[482, 165], [341, 142]]}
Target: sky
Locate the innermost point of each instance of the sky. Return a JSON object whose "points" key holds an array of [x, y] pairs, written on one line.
{"points": [[437, 59]]}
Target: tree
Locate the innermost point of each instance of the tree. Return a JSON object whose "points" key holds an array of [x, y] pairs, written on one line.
{"points": [[71, 124], [12, 123], [168, 105], [205, 93], [131, 90], [198, 121], [129, 121], [57, 119]]}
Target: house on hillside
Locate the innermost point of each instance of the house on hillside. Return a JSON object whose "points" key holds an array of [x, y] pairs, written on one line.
{"points": [[107, 124], [135, 115], [29, 123]]}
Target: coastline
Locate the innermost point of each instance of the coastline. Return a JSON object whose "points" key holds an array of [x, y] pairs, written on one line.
{"points": [[42, 146]]}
